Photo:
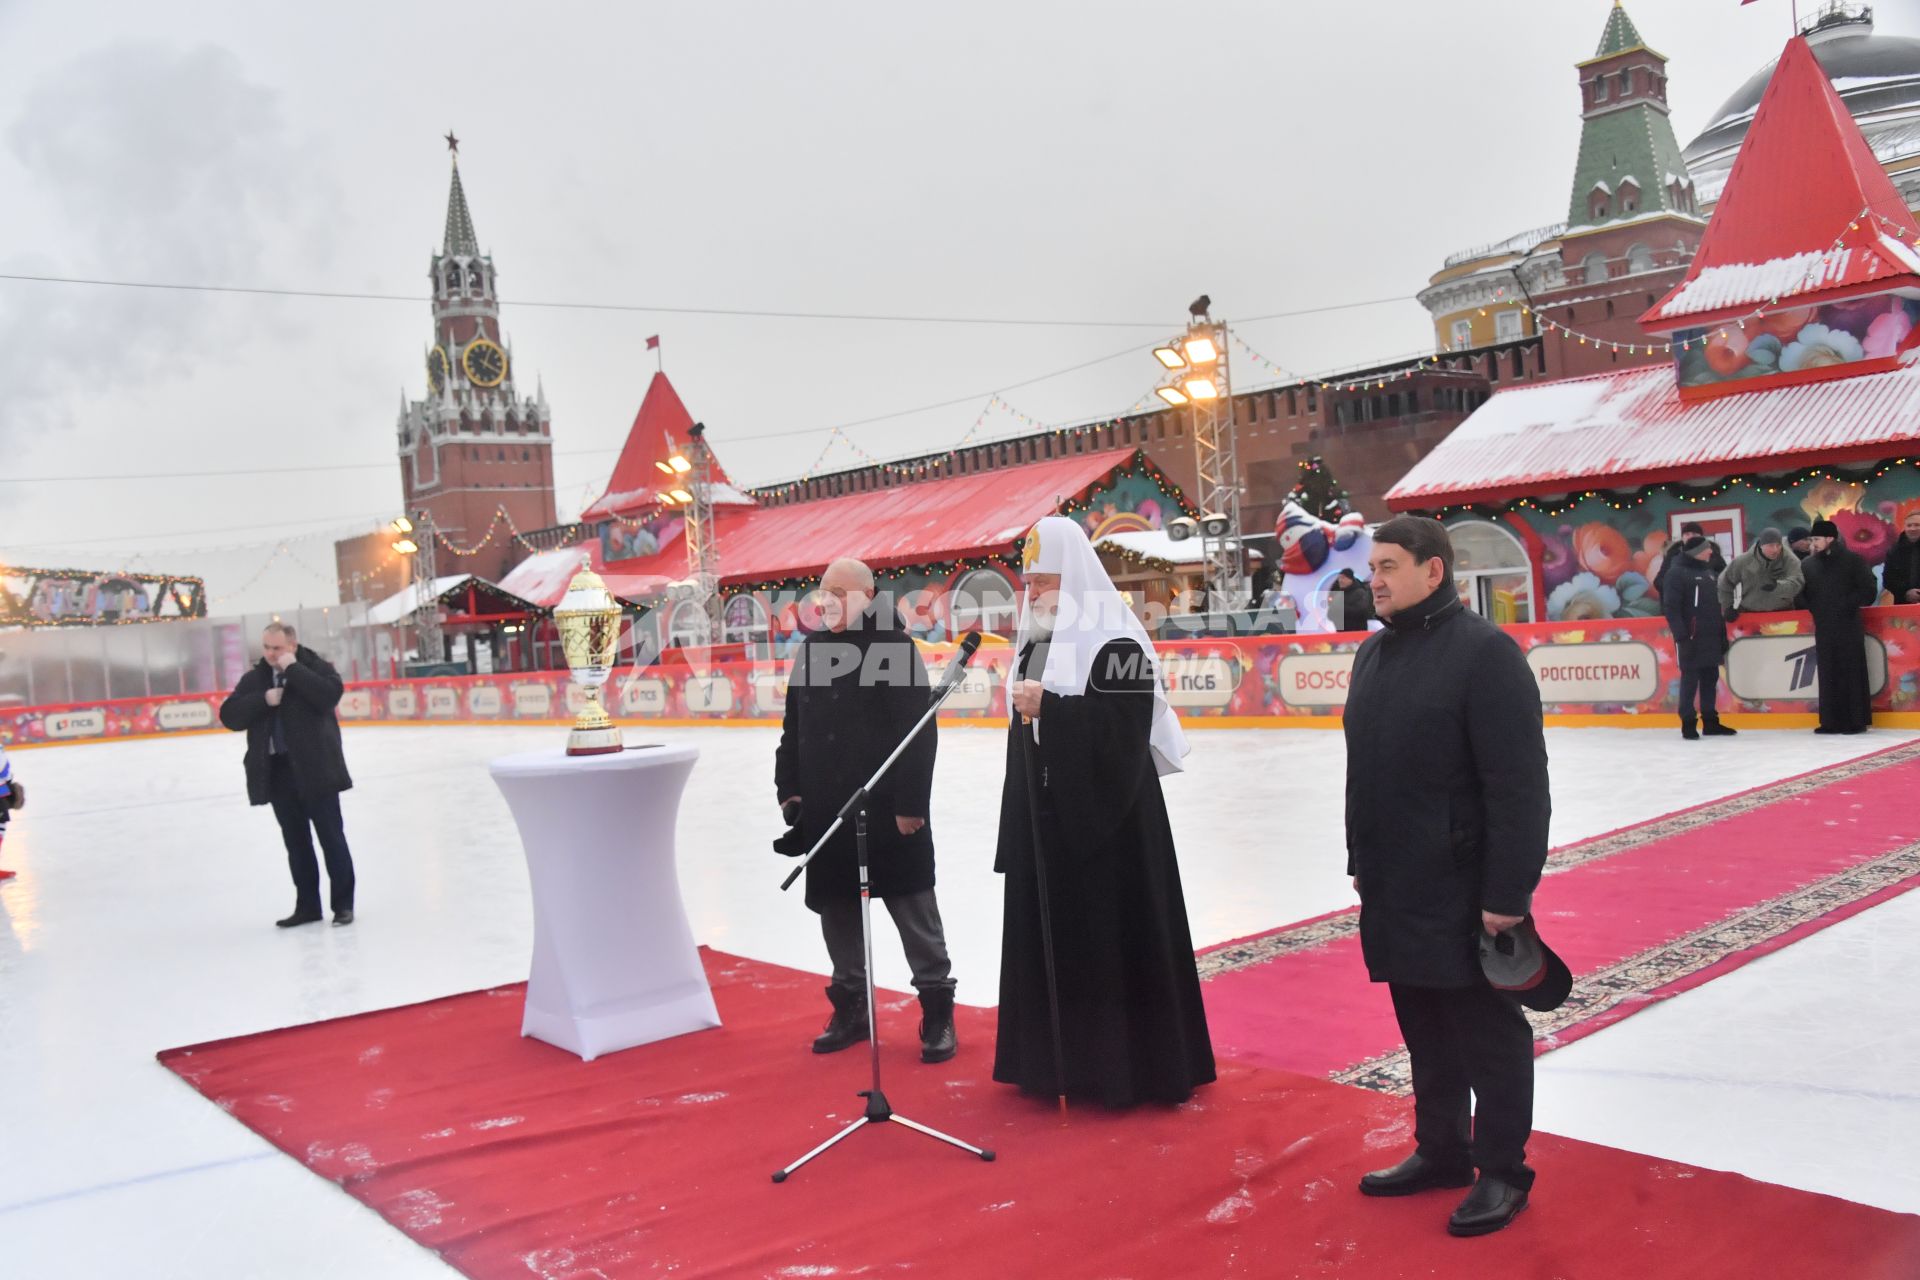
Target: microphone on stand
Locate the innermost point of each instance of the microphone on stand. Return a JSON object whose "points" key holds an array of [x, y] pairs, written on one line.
{"points": [[957, 669]]}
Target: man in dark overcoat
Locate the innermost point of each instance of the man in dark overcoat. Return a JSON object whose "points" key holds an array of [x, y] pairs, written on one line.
{"points": [[853, 692], [1691, 599], [1839, 585], [294, 762], [1447, 808]]}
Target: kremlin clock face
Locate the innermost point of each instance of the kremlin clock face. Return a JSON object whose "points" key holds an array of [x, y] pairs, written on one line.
{"points": [[437, 370], [485, 363]]}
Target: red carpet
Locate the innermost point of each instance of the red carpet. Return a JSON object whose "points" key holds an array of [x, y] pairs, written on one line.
{"points": [[511, 1158], [1638, 915]]}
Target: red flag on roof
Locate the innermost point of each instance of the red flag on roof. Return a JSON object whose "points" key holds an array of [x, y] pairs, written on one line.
{"points": [[653, 343]]}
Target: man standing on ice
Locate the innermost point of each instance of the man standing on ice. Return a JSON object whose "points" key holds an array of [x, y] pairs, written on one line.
{"points": [[1839, 584], [1094, 915], [1447, 809], [294, 762]]}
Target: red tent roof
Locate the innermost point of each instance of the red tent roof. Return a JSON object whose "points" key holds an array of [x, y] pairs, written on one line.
{"points": [[660, 429], [928, 522], [1802, 179], [1624, 430]]}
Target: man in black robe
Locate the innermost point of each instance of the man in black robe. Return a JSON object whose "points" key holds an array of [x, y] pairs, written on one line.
{"points": [[1839, 585], [1691, 599], [1091, 731], [853, 692], [1447, 808]]}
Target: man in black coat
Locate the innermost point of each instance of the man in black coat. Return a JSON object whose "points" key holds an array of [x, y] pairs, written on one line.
{"points": [[1839, 585], [1353, 601], [1691, 599], [1716, 560], [1447, 809], [294, 762], [1901, 573], [853, 692]]}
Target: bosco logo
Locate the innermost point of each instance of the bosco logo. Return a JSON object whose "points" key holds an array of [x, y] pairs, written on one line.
{"points": [[184, 715], [1315, 680]]}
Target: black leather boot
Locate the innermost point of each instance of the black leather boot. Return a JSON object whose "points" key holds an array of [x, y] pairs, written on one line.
{"points": [[937, 1039], [1688, 732], [1491, 1205], [848, 1026], [1714, 729], [1415, 1174]]}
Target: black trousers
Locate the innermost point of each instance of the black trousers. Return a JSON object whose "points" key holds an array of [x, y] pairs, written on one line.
{"points": [[1472, 1054], [302, 817], [1705, 682]]}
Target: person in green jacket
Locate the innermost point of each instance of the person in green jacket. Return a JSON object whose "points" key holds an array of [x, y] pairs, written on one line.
{"points": [[1765, 578]]}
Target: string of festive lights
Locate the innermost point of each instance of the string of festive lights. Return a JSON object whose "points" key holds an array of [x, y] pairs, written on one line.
{"points": [[188, 594], [1375, 381], [1694, 495]]}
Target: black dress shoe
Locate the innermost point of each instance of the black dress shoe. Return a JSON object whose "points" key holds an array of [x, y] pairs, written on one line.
{"points": [[1690, 733], [1491, 1205], [298, 917], [343, 917], [1415, 1174], [1714, 729]]}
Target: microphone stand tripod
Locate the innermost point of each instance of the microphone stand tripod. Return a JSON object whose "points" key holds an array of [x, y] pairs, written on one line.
{"points": [[878, 1109]]}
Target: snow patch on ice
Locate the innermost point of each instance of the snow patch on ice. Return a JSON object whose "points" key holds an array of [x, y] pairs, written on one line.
{"points": [[805, 1270], [996, 1208], [378, 1099], [438, 1133], [277, 1102], [1317, 1188], [370, 1056], [700, 1097], [501, 1122], [1299, 1145]]}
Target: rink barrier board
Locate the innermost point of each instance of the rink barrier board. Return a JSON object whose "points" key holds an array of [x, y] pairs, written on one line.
{"points": [[1615, 673]]}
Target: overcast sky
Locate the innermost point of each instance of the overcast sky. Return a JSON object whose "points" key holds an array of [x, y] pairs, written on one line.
{"points": [[1033, 160]]}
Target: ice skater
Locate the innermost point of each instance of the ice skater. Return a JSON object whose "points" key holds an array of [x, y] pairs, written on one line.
{"points": [[294, 762], [1447, 808]]}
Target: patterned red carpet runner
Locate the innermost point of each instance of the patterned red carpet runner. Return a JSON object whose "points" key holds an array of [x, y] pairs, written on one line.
{"points": [[1638, 915], [509, 1158]]}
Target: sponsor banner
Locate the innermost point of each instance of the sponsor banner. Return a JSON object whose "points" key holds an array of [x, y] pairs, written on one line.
{"points": [[1626, 673], [1782, 668], [1316, 681], [1606, 666], [643, 696], [708, 695], [176, 716], [1199, 680], [532, 701], [769, 692], [90, 723], [975, 694]]}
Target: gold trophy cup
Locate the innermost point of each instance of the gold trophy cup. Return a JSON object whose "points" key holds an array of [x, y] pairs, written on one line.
{"points": [[589, 622]]}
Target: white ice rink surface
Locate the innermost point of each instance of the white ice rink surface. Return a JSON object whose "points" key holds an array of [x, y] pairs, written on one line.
{"points": [[142, 919]]}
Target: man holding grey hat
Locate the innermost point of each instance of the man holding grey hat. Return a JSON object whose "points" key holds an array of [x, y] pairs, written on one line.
{"points": [[1447, 811]]}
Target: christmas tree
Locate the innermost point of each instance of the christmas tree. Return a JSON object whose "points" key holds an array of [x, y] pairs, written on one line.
{"points": [[1318, 493]]}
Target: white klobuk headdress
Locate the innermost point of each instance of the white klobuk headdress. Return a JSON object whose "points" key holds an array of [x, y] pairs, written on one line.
{"points": [[1091, 615]]}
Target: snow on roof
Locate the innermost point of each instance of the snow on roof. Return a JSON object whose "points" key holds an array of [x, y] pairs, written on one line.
{"points": [[1159, 545], [403, 604], [1744, 284], [1622, 430]]}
